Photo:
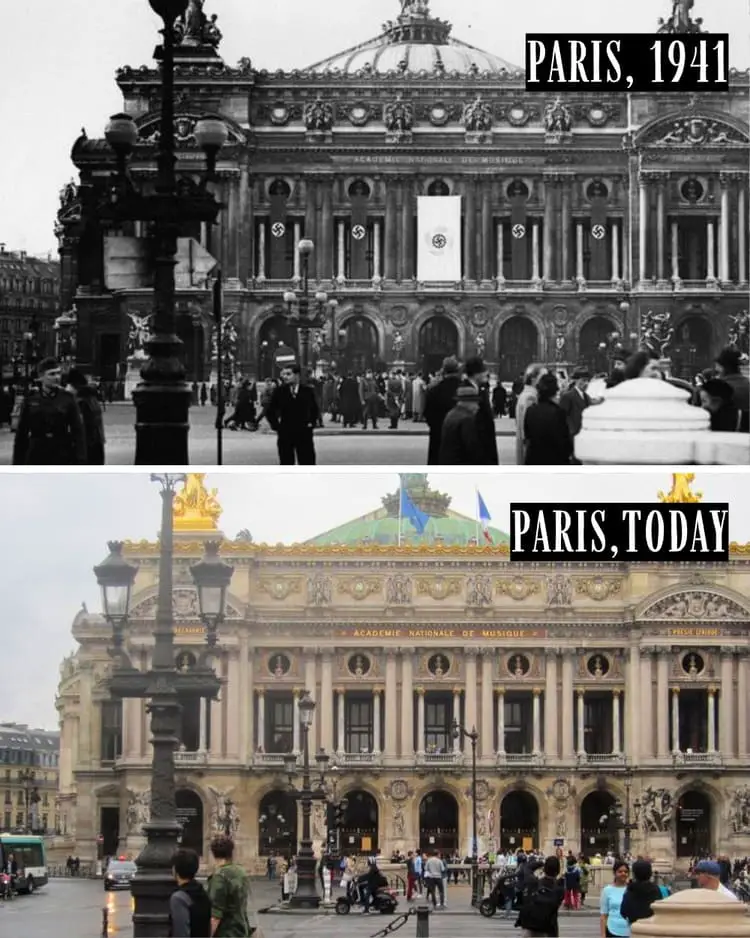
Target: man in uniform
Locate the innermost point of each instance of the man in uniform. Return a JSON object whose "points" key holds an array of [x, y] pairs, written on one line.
{"points": [[50, 429]]}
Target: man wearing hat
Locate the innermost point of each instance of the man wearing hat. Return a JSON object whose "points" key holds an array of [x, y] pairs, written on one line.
{"points": [[717, 397], [439, 401], [460, 442], [50, 429], [575, 400], [709, 877], [728, 364], [617, 375]]}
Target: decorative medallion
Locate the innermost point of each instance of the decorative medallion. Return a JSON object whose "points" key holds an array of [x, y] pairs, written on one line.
{"points": [[360, 587], [439, 115], [438, 665], [518, 231], [693, 664], [598, 666], [561, 789], [280, 587], [279, 665], [359, 232], [185, 661], [517, 115], [359, 665], [399, 789], [399, 316], [439, 241], [518, 666], [517, 587], [482, 790], [278, 229], [598, 587], [692, 190], [439, 587], [359, 114], [279, 115]]}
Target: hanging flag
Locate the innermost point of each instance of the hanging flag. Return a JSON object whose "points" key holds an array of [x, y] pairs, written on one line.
{"points": [[410, 511], [484, 517], [439, 238]]}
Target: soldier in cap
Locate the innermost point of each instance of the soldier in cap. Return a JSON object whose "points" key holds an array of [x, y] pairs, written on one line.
{"points": [[617, 375], [50, 429]]}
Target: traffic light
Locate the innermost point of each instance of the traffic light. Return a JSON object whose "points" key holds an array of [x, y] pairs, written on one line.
{"points": [[340, 813]]}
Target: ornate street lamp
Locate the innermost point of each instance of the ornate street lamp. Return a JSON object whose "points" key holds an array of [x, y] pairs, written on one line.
{"points": [[164, 687], [162, 400], [65, 328], [473, 737], [212, 577], [299, 315], [29, 352], [27, 778]]}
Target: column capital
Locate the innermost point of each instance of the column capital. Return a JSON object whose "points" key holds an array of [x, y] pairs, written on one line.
{"points": [[457, 690], [500, 691], [537, 691], [419, 691], [712, 691], [675, 691], [337, 690], [648, 177], [616, 691], [377, 691], [580, 691], [726, 179], [728, 651]]}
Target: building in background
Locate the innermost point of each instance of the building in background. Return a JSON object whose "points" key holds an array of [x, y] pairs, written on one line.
{"points": [[29, 306], [29, 770], [581, 224], [591, 685]]}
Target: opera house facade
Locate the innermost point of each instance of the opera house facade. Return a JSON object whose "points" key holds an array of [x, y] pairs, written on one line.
{"points": [[588, 685]]}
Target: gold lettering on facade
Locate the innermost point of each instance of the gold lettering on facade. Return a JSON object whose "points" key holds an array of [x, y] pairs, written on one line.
{"points": [[695, 633]]}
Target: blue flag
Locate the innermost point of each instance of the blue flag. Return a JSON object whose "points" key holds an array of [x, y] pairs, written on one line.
{"points": [[410, 511]]}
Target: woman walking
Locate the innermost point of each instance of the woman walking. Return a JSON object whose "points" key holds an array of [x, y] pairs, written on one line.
{"points": [[613, 925]]}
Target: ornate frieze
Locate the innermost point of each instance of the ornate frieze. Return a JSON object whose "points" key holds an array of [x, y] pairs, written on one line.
{"points": [[598, 587], [360, 587], [439, 587], [696, 605], [280, 587], [517, 587]]}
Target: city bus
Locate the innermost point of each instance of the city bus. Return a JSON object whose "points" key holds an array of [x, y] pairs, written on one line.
{"points": [[30, 855]]}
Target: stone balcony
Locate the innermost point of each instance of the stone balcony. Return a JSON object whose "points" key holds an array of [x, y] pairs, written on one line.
{"points": [[600, 759], [454, 758], [183, 757], [697, 760], [271, 760], [527, 760], [357, 760]]}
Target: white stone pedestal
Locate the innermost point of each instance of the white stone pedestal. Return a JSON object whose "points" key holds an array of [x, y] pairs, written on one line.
{"points": [[133, 376]]}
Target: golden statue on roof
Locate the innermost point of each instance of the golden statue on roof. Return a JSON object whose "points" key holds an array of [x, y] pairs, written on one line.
{"points": [[681, 491], [196, 508]]}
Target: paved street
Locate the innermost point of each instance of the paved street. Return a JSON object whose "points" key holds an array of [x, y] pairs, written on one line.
{"points": [[73, 909], [334, 446]]}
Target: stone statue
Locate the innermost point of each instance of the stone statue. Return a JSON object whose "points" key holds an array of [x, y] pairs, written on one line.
{"points": [[657, 809], [319, 590], [318, 116], [195, 29], [223, 812], [139, 810], [657, 332], [681, 20], [68, 194], [558, 118], [319, 821], [561, 824], [480, 343], [398, 822], [398, 345], [398, 116], [739, 809], [138, 335], [681, 491], [739, 332], [196, 504], [477, 116], [229, 343], [479, 591], [398, 590], [559, 591]]}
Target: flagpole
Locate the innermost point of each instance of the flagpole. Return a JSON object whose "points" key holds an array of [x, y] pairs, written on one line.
{"points": [[400, 503], [476, 511]]}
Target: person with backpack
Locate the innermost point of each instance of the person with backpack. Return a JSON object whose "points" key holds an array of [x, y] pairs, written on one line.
{"points": [[540, 903], [572, 884], [640, 893], [189, 905]]}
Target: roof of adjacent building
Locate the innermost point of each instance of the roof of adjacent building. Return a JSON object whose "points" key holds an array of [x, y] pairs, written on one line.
{"points": [[381, 526], [22, 736], [415, 42]]}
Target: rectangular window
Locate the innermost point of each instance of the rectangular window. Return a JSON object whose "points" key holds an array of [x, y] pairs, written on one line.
{"points": [[597, 725], [279, 729], [359, 724], [111, 734], [518, 725], [438, 722], [6, 820], [8, 799]]}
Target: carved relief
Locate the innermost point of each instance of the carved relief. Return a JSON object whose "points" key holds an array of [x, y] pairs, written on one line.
{"points": [[695, 131], [598, 587], [280, 587], [138, 811], [695, 605], [398, 590], [657, 809], [360, 587], [398, 822], [439, 587], [318, 116], [517, 587], [400, 790], [479, 591], [739, 809], [319, 590], [559, 591], [224, 812]]}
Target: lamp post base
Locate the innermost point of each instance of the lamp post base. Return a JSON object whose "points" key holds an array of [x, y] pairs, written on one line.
{"points": [[162, 425], [306, 894], [154, 883]]}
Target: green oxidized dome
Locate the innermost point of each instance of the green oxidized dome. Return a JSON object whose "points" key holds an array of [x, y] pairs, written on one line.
{"points": [[445, 526]]}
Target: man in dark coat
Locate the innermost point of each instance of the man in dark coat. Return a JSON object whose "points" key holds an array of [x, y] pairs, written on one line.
{"points": [[50, 429], [294, 413], [548, 439], [729, 363], [439, 400], [478, 377], [460, 441], [575, 400], [617, 375]]}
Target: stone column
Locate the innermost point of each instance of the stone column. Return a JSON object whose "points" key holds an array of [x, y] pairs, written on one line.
{"points": [[662, 705], [581, 722], [297, 272], [376, 693], [675, 251], [233, 224], [407, 228], [675, 719], [565, 235], [203, 725], [616, 721], [549, 209], [642, 713], [407, 706], [535, 250], [244, 693], [726, 225], [420, 720], [470, 696], [470, 234], [642, 227], [487, 739], [726, 705], [615, 251], [376, 276], [487, 229], [246, 227], [311, 216], [326, 704], [550, 707], [325, 257], [391, 228], [261, 268], [296, 694], [579, 252], [630, 712], [711, 717], [661, 224], [501, 721], [341, 721], [568, 750], [537, 720], [391, 709], [341, 252], [742, 691], [742, 229], [500, 250], [711, 250], [261, 737], [457, 716]]}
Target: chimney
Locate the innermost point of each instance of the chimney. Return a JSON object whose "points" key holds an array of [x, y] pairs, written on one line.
{"points": [[2, 247], [23, 255]]}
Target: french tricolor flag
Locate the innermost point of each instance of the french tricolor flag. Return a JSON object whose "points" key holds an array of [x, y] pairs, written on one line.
{"points": [[484, 517]]}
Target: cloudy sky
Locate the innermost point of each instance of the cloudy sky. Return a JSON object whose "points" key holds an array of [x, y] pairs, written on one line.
{"points": [[58, 59], [56, 528]]}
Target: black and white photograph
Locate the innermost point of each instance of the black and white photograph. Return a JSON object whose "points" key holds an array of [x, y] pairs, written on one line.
{"points": [[347, 234]]}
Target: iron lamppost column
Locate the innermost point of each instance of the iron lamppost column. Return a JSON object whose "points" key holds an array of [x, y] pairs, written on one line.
{"points": [[301, 318], [473, 737], [27, 777], [306, 895]]}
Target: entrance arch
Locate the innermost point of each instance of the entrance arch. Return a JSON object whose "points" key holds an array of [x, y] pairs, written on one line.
{"points": [[693, 824], [277, 824], [598, 835], [519, 821], [359, 832], [595, 333], [189, 814], [438, 822], [438, 339], [359, 342], [273, 332], [518, 346], [692, 347]]}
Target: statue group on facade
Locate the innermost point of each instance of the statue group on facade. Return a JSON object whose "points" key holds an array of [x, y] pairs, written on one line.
{"points": [[558, 118], [398, 116], [138, 811], [681, 20], [194, 28], [657, 809], [477, 116], [657, 332], [739, 332], [739, 810], [139, 334], [318, 116], [224, 813]]}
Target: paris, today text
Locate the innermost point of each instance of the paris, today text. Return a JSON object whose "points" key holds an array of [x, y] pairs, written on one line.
{"points": [[582, 533], [632, 62]]}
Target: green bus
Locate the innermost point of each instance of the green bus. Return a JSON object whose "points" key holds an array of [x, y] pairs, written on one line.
{"points": [[30, 855]]}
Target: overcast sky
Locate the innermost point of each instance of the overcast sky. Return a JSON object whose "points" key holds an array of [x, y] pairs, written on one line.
{"points": [[58, 59], [56, 528]]}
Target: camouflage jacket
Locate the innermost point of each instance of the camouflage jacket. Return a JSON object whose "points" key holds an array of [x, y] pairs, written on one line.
{"points": [[229, 892]]}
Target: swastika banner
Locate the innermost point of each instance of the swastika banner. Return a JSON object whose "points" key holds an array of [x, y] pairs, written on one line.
{"points": [[439, 238]]}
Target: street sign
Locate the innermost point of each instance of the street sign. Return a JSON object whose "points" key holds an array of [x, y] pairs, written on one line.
{"points": [[559, 842]]}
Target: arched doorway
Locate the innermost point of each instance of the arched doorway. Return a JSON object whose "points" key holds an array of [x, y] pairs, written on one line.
{"points": [[599, 832], [438, 339], [438, 822], [593, 343], [692, 347], [359, 345], [518, 347], [359, 831], [189, 814], [273, 332], [277, 824], [693, 825], [519, 821]]}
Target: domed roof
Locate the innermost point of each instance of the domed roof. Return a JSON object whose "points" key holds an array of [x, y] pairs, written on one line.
{"points": [[381, 527], [415, 42]]}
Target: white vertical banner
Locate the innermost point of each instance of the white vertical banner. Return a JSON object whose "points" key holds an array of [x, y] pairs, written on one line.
{"points": [[439, 238]]}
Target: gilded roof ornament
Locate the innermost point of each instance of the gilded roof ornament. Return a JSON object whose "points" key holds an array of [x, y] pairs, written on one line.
{"points": [[681, 21], [196, 508], [681, 491]]}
